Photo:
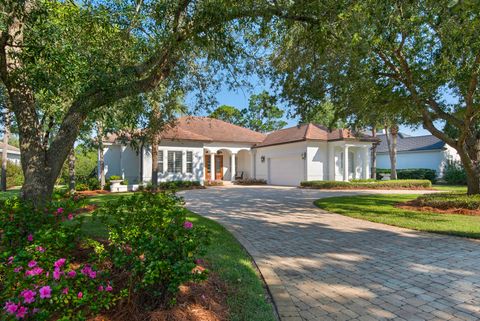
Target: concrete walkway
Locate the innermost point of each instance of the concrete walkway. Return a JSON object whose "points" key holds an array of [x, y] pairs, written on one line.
{"points": [[324, 266]]}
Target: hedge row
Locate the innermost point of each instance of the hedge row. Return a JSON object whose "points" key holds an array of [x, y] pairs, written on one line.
{"points": [[250, 181], [411, 173], [449, 200], [369, 184]]}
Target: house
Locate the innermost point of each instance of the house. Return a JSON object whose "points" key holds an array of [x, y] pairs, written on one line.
{"points": [[201, 148], [13, 153], [417, 152]]}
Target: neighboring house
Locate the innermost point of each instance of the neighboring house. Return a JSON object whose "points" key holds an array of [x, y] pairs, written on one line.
{"points": [[201, 148], [13, 153], [417, 152]]}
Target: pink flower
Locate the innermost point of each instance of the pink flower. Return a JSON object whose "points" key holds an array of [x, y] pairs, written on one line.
{"points": [[10, 260], [40, 249], [17, 269], [70, 216], [108, 288], [199, 261], [45, 292], [92, 274], [80, 295], [100, 288], [32, 264], [188, 225], [30, 238], [35, 271], [59, 210], [65, 291], [59, 263], [28, 296], [86, 270], [21, 312], [10, 307], [57, 273], [71, 274]]}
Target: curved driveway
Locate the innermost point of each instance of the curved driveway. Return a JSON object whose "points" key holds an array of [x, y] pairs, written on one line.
{"points": [[324, 266]]}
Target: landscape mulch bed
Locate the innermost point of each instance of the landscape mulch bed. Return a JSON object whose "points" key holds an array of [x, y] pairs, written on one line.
{"points": [[414, 206], [203, 301]]}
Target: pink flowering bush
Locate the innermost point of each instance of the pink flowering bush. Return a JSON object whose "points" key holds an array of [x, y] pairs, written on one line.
{"points": [[40, 272], [37, 286], [153, 244]]}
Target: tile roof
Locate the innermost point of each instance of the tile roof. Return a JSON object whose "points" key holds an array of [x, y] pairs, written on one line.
{"points": [[10, 147], [310, 132], [206, 129], [411, 143]]}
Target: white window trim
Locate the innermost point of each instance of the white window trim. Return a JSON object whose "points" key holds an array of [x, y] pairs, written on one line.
{"points": [[174, 153]]}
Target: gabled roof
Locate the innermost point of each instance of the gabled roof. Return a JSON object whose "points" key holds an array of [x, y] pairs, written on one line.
{"points": [[310, 132], [411, 143], [10, 147], [206, 129]]}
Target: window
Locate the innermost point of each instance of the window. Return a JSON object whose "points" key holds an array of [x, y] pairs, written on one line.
{"points": [[174, 162], [160, 161], [189, 162]]}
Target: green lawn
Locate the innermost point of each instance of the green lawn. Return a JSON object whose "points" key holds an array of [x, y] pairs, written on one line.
{"points": [[381, 209], [248, 299], [451, 188]]}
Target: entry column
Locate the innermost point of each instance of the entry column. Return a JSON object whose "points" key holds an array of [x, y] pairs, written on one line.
{"points": [[232, 164], [212, 166]]}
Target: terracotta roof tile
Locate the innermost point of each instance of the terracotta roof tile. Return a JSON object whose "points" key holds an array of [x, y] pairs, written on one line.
{"points": [[10, 147], [310, 132], [206, 129]]}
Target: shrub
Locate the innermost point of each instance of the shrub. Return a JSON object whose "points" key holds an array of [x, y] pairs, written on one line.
{"points": [[450, 200], [81, 187], [411, 173], [153, 245], [368, 184], [124, 182], [214, 183], [454, 173], [115, 178], [14, 174], [93, 184], [172, 185], [251, 181]]}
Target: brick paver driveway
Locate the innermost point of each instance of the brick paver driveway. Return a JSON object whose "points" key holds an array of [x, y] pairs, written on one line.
{"points": [[323, 266]]}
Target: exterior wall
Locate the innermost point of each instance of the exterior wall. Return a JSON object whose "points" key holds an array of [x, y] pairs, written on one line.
{"points": [[317, 161], [112, 160], [279, 151], [198, 162], [435, 160], [244, 164], [12, 157]]}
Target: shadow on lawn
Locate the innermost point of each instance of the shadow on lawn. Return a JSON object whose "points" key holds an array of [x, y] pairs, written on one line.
{"points": [[334, 266]]}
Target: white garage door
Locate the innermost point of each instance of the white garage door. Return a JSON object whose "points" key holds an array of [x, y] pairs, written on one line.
{"points": [[286, 170]]}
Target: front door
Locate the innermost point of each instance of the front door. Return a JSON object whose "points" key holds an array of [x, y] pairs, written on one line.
{"points": [[218, 167]]}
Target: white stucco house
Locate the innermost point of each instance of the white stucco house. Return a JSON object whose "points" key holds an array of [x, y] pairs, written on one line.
{"points": [[13, 153], [417, 152], [202, 148]]}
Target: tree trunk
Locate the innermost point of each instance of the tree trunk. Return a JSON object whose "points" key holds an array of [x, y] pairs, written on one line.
{"points": [[6, 136], [71, 171], [154, 163], [101, 157], [391, 136], [373, 171], [469, 153]]}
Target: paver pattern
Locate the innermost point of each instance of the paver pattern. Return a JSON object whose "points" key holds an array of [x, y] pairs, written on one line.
{"points": [[324, 266]]}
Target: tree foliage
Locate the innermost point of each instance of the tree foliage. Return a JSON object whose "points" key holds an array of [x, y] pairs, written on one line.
{"points": [[417, 60]]}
